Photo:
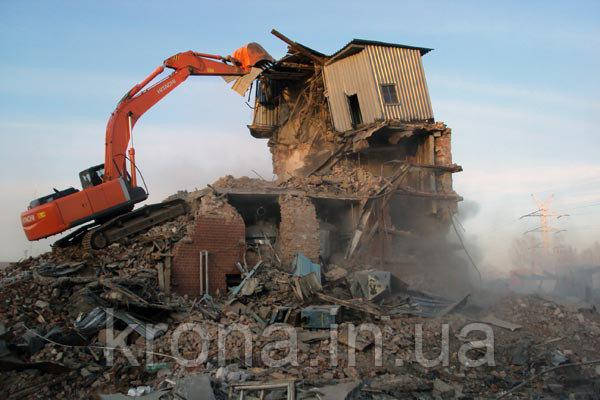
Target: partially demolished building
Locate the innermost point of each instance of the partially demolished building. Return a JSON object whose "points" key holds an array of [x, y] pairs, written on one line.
{"points": [[364, 173]]}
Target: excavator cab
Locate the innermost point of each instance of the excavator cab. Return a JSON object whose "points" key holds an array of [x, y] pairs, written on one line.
{"points": [[92, 176]]}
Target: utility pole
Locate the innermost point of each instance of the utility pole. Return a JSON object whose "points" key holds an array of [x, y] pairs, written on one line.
{"points": [[544, 213]]}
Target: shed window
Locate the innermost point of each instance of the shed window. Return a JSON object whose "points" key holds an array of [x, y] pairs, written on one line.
{"points": [[388, 91]]}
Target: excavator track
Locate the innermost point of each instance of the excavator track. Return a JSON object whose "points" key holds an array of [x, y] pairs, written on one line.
{"points": [[100, 236], [86, 243], [74, 237]]}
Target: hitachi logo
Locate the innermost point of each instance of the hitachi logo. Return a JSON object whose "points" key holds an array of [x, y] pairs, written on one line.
{"points": [[166, 86]]}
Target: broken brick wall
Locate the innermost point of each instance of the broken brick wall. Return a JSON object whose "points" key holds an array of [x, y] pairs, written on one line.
{"points": [[220, 230], [443, 156], [443, 181], [305, 130], [298, 230]]}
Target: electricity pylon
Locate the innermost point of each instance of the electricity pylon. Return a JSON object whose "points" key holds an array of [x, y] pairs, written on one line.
{"points": [[544, 213]]}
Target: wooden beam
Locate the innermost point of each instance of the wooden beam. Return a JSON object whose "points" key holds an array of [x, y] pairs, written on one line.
{"points": [[403, 190], [297, 66], [297, 47], [285, 75], [445, 168]]}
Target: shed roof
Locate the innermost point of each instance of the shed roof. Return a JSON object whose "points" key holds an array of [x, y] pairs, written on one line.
{"points": [[358, 45], [350, 48], [364, 42]]}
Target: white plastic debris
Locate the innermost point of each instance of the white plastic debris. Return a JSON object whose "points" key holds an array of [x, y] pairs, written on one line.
{"points": [[139, 391]]}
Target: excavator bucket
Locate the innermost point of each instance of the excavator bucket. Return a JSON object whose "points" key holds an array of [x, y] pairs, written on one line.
{"points": [[252, 55]]}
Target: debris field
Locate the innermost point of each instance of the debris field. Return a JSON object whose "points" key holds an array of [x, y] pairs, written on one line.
{"points": [[355, 237]]}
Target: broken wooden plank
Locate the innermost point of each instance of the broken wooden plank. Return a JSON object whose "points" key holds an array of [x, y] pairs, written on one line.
{"points": [[306, 286], [368, 222], [439, 167], [298, 47]]}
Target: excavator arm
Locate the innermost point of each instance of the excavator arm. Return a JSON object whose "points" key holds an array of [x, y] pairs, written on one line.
{"points": [[137, 101]]}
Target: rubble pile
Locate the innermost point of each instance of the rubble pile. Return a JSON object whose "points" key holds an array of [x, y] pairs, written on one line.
{"points": [[52, 343], [343, 181]]}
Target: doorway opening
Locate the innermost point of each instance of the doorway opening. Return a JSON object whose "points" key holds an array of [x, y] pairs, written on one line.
{"points": [[354, 106]]}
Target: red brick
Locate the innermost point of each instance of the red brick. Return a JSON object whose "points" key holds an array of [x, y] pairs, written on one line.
{"points": [[224, 239]]}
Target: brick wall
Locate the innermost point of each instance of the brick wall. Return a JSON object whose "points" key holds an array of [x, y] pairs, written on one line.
{"points": [[223, 238], [443, 156], [299, 229]]}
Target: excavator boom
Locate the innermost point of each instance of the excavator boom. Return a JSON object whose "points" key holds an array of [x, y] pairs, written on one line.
{"points": [[134, 103]]}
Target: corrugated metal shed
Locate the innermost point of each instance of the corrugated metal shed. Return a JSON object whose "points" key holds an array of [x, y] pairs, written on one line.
{"points": [[361, 67]]}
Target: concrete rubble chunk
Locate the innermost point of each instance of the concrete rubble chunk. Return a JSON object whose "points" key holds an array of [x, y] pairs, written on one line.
{"points": [[339, 391], [446, 391], [194, 387], [335, 273], [41, 304]]}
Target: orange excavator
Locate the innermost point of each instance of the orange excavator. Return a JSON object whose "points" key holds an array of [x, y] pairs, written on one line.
{"points": [[109, 191]]}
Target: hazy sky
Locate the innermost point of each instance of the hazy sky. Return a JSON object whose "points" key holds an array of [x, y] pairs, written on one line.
{"points": [[518, 83]]}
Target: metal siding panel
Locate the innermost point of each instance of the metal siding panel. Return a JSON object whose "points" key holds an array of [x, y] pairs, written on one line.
{"points": [[419, 86], [418, 92], [338, 113], [368, 90], [303, 266], [408, 77], [348, 76], [401, 74], [382, 67], [404, 68], [429, 108], [264, 115], [376, 77], [398, 76]]}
